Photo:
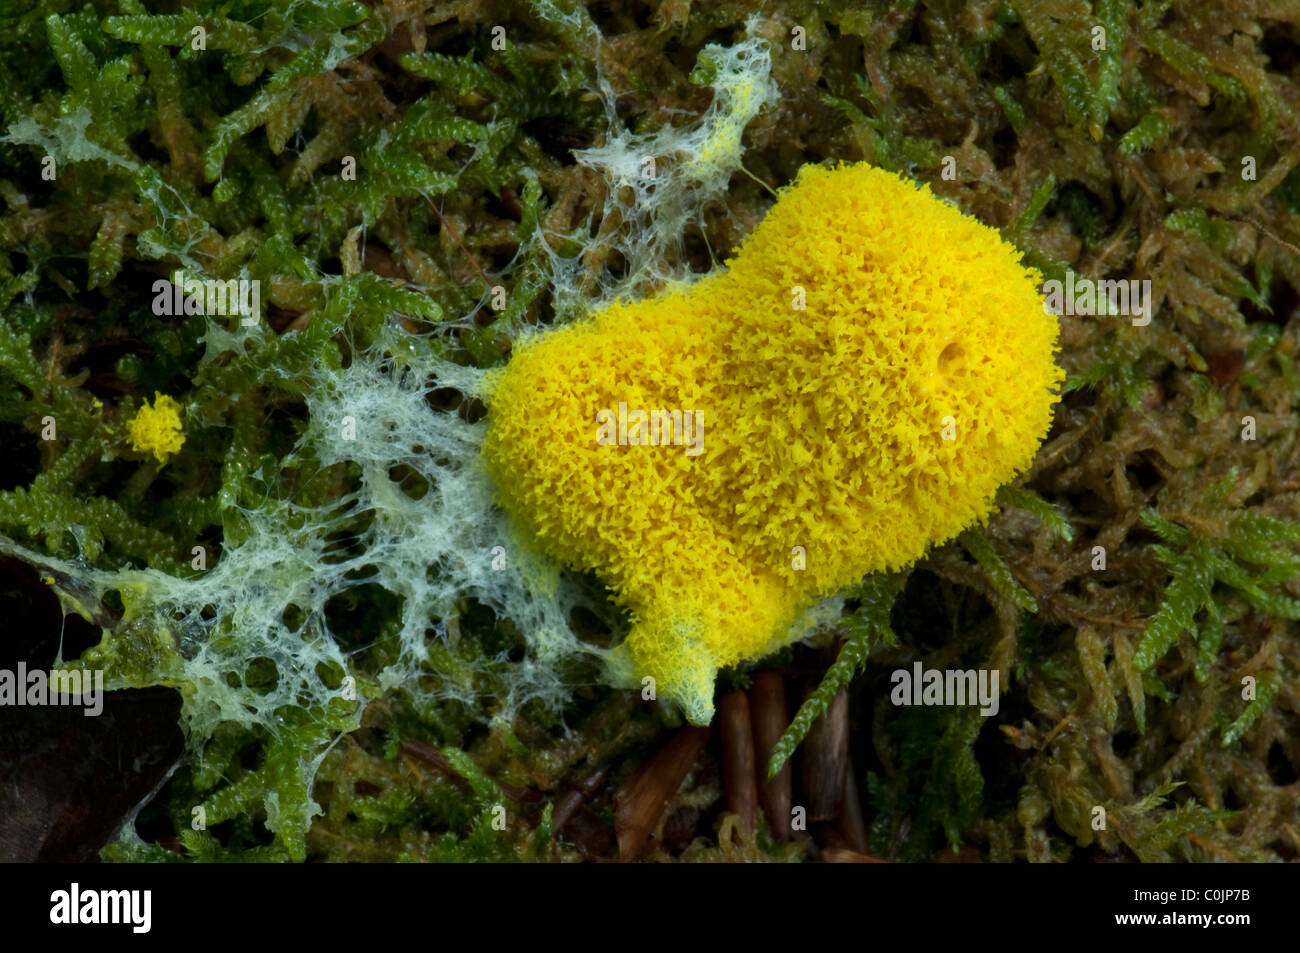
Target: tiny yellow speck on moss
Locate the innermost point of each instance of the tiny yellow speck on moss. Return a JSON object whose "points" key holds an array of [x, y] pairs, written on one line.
{"points": [[869, 369], [157, 429]]}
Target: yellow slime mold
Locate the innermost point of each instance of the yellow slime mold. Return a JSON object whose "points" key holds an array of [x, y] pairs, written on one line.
{"points": [[854, 388]]}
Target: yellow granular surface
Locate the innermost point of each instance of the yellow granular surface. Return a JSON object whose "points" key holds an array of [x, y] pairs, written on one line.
{"points": [[824, 451], [157, 429]]}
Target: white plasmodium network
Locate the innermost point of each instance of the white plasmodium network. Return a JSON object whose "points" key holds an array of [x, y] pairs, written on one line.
{"points": [[659, 183], [265, 600]]}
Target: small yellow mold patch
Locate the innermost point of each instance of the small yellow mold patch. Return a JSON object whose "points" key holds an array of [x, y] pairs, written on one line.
{"points": [[853, 389], [157, 429]]}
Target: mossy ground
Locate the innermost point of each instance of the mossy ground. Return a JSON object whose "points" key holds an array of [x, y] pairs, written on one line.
{"points": [[1170, 155]]}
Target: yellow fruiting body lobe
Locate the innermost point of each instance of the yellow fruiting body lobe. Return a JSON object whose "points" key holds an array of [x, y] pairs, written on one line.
{"points": [[157, 429], [835, 440]]}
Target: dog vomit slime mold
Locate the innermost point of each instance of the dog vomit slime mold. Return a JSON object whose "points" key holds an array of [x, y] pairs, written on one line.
{"points": [[854, 386]]}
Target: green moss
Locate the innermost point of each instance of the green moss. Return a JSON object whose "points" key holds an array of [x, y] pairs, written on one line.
{"points": [[348, 607]]}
